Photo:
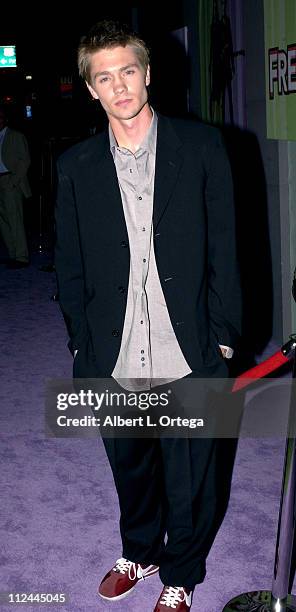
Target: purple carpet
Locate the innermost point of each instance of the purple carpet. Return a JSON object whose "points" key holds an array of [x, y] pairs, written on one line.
{"points": [[59, 523]]}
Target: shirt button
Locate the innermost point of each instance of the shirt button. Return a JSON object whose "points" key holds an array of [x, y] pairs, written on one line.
{"points": [[144, 260], [131, 171], [141, 322], [142, 358], [142, 351], [143, 365], [140, 198], [143, 229]]}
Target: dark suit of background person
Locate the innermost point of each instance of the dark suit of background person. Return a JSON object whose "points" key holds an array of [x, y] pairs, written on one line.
{"points": [[194, 239], [14, 187]]}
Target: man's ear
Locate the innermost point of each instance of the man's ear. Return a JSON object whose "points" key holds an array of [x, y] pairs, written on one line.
{"points": [[92, 91], [147, 79]]}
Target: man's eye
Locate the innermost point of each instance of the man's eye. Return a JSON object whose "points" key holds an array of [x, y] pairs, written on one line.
{"points": [[129, 71], [103, 79]]}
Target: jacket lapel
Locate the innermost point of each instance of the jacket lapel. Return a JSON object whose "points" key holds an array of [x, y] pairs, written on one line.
{"points": [[167, 166], [103, 169], [103, 179]]}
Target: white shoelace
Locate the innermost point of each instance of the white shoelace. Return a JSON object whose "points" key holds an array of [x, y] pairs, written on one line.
{"points": [[172, 596], [122, 565]]}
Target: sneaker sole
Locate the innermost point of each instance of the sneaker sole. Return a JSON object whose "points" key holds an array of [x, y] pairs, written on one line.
{"points": [[117, 597], [123, 595]]}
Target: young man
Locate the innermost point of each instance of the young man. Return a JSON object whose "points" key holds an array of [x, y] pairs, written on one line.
{"points": [[148, 285]]}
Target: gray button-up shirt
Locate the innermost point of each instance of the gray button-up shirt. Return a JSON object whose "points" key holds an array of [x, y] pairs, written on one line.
{"points": [[149, 353]]}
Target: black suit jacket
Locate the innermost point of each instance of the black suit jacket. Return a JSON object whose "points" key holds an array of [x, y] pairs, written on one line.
{"points": [[194, 236]]}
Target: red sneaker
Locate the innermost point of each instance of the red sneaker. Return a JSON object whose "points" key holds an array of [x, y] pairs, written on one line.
{"points": [[123, 577], [174, 598]]}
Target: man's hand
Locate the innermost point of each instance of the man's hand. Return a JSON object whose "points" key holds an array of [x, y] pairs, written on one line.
{"points": [[226, 351]]}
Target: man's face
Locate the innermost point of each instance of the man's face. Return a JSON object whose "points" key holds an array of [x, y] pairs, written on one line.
{"points": [[119, 82]]}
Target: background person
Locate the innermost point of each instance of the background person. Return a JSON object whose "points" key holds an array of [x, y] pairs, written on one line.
{"points": [[14, 187]]}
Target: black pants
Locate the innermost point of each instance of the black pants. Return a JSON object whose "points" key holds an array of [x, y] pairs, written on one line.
{"points": [[177, 486]]}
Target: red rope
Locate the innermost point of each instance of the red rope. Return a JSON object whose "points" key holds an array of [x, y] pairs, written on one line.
{"points": [[260, 370]]}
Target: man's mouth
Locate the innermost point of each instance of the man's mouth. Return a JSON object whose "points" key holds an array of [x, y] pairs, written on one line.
{"points": [[122, 102]]}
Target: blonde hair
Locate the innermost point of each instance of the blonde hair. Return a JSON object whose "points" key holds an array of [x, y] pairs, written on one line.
{"points": [[108, 34]]}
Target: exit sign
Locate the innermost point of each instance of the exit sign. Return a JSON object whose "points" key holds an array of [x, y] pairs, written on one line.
{"points": [[7, 56]]}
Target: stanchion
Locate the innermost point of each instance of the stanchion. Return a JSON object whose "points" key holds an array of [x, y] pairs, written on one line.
{"points": [[40, 236], [278, 599]]}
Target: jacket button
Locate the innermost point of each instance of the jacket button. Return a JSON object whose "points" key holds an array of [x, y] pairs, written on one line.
{"points": [[115, 333], [121, 289], [123, 244]]}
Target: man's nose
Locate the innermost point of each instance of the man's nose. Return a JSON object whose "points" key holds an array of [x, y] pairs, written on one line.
{"points": [[119, 85]]}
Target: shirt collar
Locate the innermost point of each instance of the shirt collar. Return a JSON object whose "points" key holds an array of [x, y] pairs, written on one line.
{"points": [[149, 142]]}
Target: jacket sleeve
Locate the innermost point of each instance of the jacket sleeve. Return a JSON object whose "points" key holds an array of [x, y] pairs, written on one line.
{"points": [[224, 293], [68, 261], [21, 159]]}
